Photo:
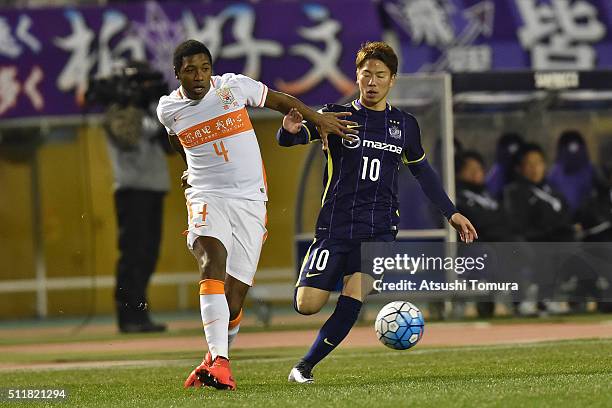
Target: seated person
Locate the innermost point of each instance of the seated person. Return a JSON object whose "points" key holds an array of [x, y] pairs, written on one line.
{"points": [[502, 173], [590, 271], [484, 211], [595, 217], [595, 214], [538, 212], [572, 173], [473, 198]]}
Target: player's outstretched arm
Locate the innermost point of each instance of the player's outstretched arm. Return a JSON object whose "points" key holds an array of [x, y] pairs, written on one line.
{"points": [[326, 123], [432, 187]]}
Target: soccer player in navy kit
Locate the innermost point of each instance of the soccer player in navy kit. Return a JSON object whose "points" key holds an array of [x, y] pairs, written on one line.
{"points": [[359, 203]]}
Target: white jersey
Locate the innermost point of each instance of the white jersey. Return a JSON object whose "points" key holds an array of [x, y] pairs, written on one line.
{"points": [[223, 156]]}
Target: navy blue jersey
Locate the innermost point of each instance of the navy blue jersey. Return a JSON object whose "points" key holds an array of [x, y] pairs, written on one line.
{"points": [[361, 177]]}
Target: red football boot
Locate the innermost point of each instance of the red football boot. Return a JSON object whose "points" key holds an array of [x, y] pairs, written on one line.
{"points": [[217, 375], [208, 359], [193, 380]]}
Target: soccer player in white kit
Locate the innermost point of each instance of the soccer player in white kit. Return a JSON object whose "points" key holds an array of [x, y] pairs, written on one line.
{"points": [[207, 122]]}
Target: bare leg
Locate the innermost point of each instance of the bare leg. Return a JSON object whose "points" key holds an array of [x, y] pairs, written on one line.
{"points": [[358, 286], [310, 300], [235, 293]]}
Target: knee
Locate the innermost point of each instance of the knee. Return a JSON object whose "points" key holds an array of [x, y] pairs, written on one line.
{"points": [[306, 306], [208, 263], [211, 257], [211, 267]]}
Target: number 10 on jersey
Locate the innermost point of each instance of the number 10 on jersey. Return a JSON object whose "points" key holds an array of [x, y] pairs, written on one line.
{"points": [[370, 168], [320, 258]]}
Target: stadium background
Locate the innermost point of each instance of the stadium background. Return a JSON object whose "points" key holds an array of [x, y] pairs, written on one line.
{"points": [[56, 208]]}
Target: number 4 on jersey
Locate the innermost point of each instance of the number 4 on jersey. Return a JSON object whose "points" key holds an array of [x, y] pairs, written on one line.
{"points": [[223, 152]]}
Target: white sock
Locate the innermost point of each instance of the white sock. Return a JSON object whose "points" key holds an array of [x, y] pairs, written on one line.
{"points": [[215, 318], [231, 335]]}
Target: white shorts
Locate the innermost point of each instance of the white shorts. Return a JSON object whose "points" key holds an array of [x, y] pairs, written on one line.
{"points": [[239, 224]]}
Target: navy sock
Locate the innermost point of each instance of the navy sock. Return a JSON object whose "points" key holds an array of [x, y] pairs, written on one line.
{"points": [[334, 330]]}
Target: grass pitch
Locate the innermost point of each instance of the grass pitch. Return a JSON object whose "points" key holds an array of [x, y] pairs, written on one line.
{"points": [[551, 374]]}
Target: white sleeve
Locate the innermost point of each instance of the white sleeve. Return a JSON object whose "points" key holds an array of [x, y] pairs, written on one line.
{"points": [[254, 92], [160, 115]]}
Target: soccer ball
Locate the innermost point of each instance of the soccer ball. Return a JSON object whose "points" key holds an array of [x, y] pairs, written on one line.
{"points": [[399, 325]]}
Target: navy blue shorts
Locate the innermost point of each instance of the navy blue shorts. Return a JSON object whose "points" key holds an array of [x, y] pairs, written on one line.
{"points": [[329, 260]]}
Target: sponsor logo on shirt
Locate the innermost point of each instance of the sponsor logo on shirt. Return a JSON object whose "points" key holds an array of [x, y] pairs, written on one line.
{"points": [[355, 143], [382, 146], [225, 125]]}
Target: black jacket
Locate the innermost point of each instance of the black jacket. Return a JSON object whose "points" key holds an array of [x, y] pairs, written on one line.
{"points": [[538, 213], [485, 212], [595, 215]]}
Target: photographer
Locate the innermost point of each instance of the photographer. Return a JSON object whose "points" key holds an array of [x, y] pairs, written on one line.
{"points": [[137, 147]]}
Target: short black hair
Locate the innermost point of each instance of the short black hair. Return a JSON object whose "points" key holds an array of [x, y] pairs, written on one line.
{"points": [[380, 51], [186, 49], [466, 155], [525, 149]]}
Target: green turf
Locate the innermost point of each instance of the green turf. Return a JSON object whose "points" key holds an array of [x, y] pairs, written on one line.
{"points": [[86, 336], [553, 374]]}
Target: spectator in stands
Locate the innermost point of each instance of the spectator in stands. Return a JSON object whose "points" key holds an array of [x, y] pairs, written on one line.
{"points": [[572, 173], [538, 212], [595, 217], [474, 199], [485, 211], [595, 214], [502, 172]]}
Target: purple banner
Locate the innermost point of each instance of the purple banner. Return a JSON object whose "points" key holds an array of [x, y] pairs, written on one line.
{"points": [[483, 35], [305, 49], [308, 50]]}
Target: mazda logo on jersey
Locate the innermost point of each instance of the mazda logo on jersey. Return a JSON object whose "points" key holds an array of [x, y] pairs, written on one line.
{"points": [[382, 146], [355, 143]]}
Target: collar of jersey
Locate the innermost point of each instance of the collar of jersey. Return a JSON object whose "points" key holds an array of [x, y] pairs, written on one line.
{"points": [[357, 105]]}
